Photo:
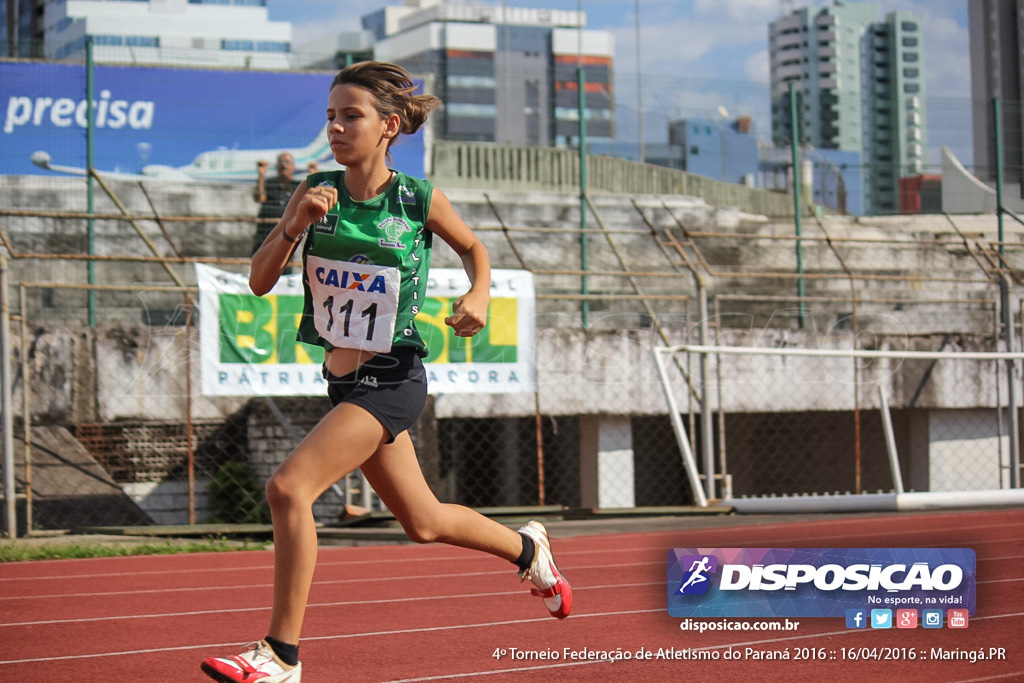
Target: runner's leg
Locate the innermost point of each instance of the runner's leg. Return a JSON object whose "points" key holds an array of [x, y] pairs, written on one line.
{"points": [[339, 443]]}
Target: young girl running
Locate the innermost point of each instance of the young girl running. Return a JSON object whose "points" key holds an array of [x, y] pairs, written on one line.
{"points": [[367, 250]]}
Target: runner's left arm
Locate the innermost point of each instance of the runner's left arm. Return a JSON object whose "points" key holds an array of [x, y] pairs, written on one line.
{"points": [[469, 312]]}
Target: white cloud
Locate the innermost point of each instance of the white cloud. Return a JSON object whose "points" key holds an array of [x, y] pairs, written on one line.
{"points": [[746, 11], [671, 43], [757, 67], [947, 49], [314, 19], [706, 39]]}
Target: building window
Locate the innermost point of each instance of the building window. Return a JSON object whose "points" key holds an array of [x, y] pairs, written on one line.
{"points": [[911, 72], [573, 114], [909, 41], [909, 26], [910, 57], [461, 81], [272, 46], [471, 110], [132, 41], [911, 88], [71, 48], [240, 45]]}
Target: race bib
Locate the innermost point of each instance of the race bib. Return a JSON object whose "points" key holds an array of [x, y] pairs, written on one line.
{"points": [[354, 304]]}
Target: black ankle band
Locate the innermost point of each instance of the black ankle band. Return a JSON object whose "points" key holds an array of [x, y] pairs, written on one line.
{"points": [[287, 653], [526, 558]]}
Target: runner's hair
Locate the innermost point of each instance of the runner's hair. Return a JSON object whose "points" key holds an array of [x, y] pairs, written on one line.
{"points": [[393, 91]]}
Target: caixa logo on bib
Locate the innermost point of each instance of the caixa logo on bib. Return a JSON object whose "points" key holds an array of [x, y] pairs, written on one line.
{"points": [[816, 582]]}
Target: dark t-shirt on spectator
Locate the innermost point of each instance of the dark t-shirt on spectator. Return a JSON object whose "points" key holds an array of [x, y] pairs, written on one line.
{"points": [[277, 200]]}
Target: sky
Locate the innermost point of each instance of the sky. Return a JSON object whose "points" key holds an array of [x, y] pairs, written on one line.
{"points": [[698, 56]]}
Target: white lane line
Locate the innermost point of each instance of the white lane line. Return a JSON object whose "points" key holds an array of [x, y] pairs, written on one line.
{"points": [[452, 558], [329, 582], [312, 605], [326, 582], [351, 603], [463, 557], [368, 634], [1017, 675], [456, 627], [750, 643]]}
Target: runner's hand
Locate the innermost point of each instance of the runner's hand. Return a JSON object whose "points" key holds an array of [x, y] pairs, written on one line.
{"points": [[469, 315], [316, 203]]}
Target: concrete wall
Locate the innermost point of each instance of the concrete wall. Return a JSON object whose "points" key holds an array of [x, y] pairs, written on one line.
{"points": [[922, 269], [963, 193], [595, 373], [504, 168], [905, 277]]}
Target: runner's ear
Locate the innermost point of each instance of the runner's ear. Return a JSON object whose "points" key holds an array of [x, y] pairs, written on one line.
{"points": [[392, 126]]}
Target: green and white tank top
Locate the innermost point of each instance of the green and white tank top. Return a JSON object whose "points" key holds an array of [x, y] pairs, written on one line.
{"points": [[365, 267]]}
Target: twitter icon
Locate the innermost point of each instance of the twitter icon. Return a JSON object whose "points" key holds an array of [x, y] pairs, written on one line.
{"points": [[881, 618]]}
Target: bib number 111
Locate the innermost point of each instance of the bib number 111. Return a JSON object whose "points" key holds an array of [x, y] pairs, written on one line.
{"points": [[369, 313]]}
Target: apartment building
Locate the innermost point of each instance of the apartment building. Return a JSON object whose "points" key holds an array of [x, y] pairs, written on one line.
{"points": [[180, 32], [996, 29], [860, 88], [507, 75]]}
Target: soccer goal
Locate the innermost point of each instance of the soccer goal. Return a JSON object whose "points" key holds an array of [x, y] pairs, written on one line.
{"points": [[832, 429]]}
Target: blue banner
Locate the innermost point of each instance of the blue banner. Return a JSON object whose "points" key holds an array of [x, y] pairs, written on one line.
{"points": [[818, 582], [174, 123]]}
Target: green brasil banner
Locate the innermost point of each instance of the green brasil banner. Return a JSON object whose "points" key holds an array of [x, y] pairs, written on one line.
{"points": [[248, 345]]}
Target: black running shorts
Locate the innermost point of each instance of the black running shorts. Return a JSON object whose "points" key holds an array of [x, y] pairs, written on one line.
{"points": [[390, 386]]}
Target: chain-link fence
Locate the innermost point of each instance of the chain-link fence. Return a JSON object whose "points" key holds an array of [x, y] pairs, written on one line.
{"points": [[112, 427], [120, 433]]}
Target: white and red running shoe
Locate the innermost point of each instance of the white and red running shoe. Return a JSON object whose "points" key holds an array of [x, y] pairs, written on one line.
{"points": [[258, 664], [547, 581]]}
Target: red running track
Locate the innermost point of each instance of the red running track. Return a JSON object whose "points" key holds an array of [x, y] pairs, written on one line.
{"points": [[425, 613]]}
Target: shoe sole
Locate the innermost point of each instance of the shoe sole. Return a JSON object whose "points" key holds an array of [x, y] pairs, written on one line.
{"points": [[214, 674], [566, 606], [221, 678]]}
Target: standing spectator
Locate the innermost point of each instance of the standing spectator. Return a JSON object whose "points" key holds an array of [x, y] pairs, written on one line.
{"points": [[273, 195]]}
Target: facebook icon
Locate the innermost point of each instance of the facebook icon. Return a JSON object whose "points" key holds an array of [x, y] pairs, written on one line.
{"points": [[856, 618]]}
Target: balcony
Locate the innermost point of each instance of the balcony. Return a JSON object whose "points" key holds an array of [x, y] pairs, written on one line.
{"points": [[789, 71]]}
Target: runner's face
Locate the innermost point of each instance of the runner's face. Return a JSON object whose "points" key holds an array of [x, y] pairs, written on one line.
{"points": [[354, 128]]}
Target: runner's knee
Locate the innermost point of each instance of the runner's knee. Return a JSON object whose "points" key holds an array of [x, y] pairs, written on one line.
{"points": [[421, 528], [280, 494]]}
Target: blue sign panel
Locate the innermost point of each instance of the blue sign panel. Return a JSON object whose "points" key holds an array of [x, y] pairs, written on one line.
{"points": [[158, 122]]}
